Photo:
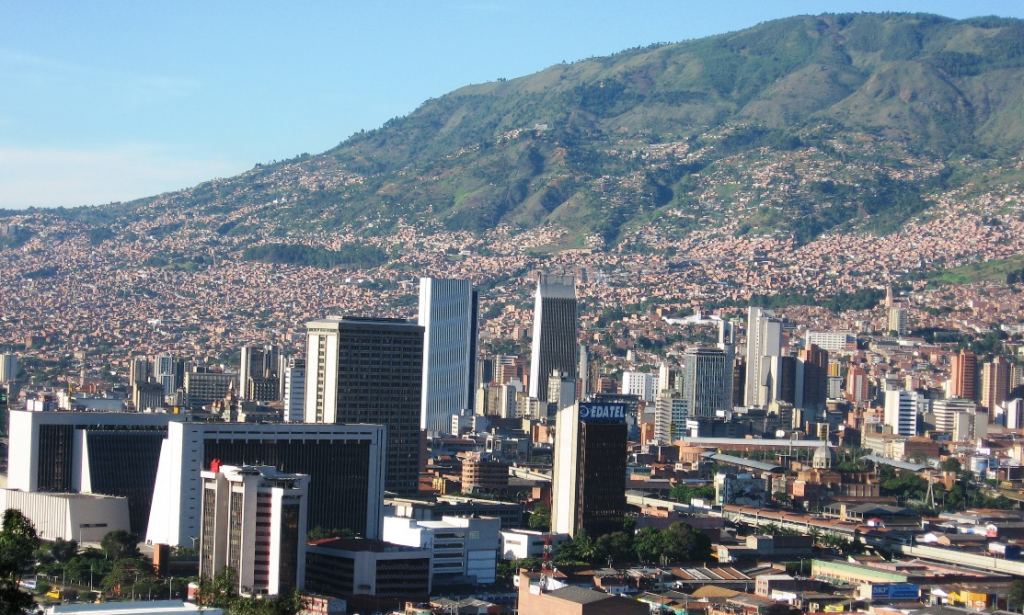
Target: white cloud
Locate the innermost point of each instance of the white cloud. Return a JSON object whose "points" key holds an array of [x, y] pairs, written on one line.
{"points": [[60, 177]]}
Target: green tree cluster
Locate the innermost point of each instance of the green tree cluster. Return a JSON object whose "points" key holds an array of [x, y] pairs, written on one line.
{"points": [[678, 543]]}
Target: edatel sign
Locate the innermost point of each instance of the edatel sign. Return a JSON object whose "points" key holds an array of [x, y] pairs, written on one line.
{"points": [[607, 413]]}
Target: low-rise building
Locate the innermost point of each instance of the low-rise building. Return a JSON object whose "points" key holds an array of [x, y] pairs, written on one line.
{"points": [[464, 549]]}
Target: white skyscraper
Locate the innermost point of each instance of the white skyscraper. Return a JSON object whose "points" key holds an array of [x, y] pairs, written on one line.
{"points": [[901, 412], [764, 340], [294, 390], [555, 332], [640, 384], [448, 315]]}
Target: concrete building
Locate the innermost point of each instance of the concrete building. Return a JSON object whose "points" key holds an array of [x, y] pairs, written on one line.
{"points": [[351, 567], [367, 370], [901, 411], [524, 544], [764, 340], [995, 385], [432, 508], [946, 410], [169, 372], [539, 596], [448, 315], [147, 396], [202, 387], [108, 453], [8, 367], [484, 474], [345, 464], [81, 517], [464, 549], [294, 396], [640, 384], [963, 375], [254, 521], [555, 332], [670, 414], [258, 372], [589, 475], [707, 381], [832, 341]]}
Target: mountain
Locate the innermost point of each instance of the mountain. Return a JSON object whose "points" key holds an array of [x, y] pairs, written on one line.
{"points": [[799, 127]]}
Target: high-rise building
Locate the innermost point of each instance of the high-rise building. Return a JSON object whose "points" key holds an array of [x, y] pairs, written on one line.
{"points": [[448, 315], [8, 367], [670, 414], [345, 464], [897, 320], [707, 381], [963, 375], [294, 375], [169, 372], [258, 377], [995, 384], [139, 371], [764, 340], [901, 412], [781, 381], [945, 411], [254, 521], [588, 489], [555, 332], [561, 392], [370, 370], [858, 385], [812, 378], [203, 387]]}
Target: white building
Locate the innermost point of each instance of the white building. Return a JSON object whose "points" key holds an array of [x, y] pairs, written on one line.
{"points": [[69, 516], [764, 340], [448, 316], [638, 383], [525, 544], [832, 341], [254, 521], [670, 414], [294, 396], [345, 464], [8, 367], [901, 409], [707, 381], [462, 547]]}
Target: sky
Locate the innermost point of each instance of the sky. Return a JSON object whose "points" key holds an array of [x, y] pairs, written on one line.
{"points": [[120, 99]]}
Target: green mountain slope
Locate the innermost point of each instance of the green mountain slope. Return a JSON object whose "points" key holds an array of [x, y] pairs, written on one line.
{"points": [[798, 126]]}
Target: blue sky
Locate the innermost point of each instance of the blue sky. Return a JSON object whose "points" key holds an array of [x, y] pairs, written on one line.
{"points": [[114, 100]]}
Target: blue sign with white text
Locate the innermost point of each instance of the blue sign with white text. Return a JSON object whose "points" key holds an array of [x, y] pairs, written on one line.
{"points": [[607, 413]]}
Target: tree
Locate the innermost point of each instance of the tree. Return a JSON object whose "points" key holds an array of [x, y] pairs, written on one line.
{"points": [[63, 550], [1015, 599], [681, 543], [18, 540], [951, 464], [319, 533], [119, 544], [540, 518]]}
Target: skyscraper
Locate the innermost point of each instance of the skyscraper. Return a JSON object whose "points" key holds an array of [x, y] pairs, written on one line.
{"points": [[169, 372], [8, 367], [901, 411], [812, 378], [963, 374], [707, 381], [555, 335], [294, 376], [995, 384], [448, 315], [588, 489], [370, 370], [764, 340], [258, 377]]}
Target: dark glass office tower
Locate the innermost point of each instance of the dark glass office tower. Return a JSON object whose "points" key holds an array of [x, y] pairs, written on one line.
{"points": [[555, 333], [370, 370]]}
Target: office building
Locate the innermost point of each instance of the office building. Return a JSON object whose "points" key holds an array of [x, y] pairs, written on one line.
{"points": [[670, 414], [555, 332], [203, 387], [781, 382], [1014, 414], [294, 396], [995, 385], [901, 410], [345, 464], [589, 475], [963, 375], [8, 367], [561, 392], [351, 567], [82, 517], [254, 522], [639, 384], [139, 371], [169, 372], [258, 373], [707, 381], [448, 315], [764, 340], [147, 396], [945, 411], [108, 453], [366, 370], [858, 386], [832, 341], [897, 321], [812, 378], [464, 549], [435, 508]]}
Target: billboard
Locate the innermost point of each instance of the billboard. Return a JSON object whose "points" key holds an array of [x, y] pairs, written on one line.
{"points": [[895, 591], [602, 413]]}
